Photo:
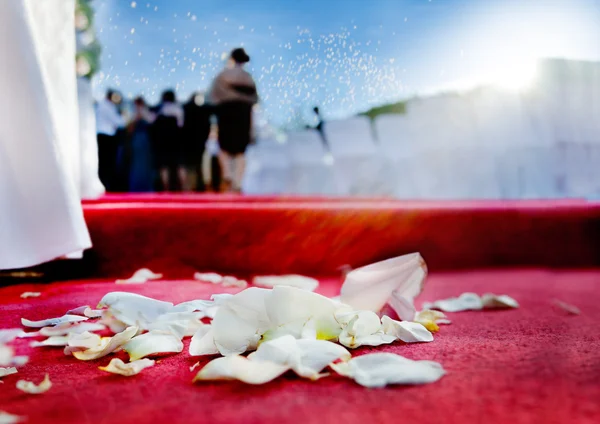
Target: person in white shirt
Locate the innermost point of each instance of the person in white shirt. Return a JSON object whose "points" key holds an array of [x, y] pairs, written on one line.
{"points": [[108, 122]]}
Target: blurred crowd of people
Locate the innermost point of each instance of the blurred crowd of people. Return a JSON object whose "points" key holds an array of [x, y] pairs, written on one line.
{"points": [[197, 146]]}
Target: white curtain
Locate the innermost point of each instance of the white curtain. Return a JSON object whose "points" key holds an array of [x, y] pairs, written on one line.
{"points": [[40, 211]]}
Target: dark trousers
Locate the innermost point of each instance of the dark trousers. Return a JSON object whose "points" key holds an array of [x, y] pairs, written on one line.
{"points": [[215, 171], [108, 149]]}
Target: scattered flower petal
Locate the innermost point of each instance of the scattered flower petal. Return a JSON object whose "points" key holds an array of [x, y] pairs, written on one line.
{"points": [[6, 355], [6, 418], [237, 367], [381, 369], [230, 281], [307, 358], [298, 281], [52, 321], [465, 302], [51, 341], [408, 332], [430, 319], [7, 371], [86, 311], [25, 335], [69, 328], [117, 366], [203, 342], [290, 309], [574, 310], [110, 345], [35, 389], [9, 334], [473, 302], [26, 295], [152, 343], [85, 340], [492, 301], [134, 309], [362, 328], [397, 280], [240, 321], [193, 306], [140, 276], [209, 277]]}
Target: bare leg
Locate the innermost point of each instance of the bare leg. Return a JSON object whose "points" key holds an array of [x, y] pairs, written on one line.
{"points": [[226, 162], [183, 178], [164, 178], [240, 168]]}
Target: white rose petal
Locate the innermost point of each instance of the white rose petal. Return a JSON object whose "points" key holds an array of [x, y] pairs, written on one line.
{"points": [[298, 281], [6, 418], [85, 340], [86, 311], [51, 341], [9, 334], [293, 308], [408, 332], [465, 302], [35, 389], [307, 358], [193, 306], [209, 277], [237, 367], [108, 346], [117, 366], [381, 369], [6, 355], [428, 315], [26, 295], [362, 328], [572, 309], [69, 328], [230, 281], [7, 371], [52, 321], [152, 343], [492, 301], [140, 276], [397, 281], [134, 309], [203, 342], [240, 321]]}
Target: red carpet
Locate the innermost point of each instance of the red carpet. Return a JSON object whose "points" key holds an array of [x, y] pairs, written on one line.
{"points": [[318, 237], [535, 364]]}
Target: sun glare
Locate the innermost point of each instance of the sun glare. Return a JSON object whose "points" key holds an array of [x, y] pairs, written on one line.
{"points": [[518, 76]]}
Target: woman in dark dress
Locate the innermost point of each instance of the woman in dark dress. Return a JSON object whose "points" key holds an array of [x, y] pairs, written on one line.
{"points": [[196, 128], [141, 171], [234, 94]]}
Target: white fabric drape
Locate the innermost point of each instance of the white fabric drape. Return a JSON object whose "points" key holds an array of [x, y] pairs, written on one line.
{"points": [[40, 211]]}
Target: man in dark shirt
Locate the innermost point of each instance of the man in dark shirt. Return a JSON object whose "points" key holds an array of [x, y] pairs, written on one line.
{"points": [[196, 129]]}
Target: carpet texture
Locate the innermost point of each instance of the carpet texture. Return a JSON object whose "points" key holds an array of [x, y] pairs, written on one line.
{"points": [[536, 364], [319, 237]]}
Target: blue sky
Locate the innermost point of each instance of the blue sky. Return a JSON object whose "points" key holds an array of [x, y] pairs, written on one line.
{"points": [[345, 56]]}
